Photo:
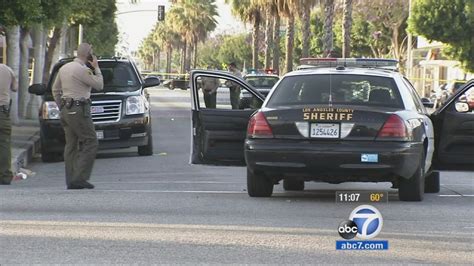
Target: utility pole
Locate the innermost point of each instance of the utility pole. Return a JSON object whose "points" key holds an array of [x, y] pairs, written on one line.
{"points": [[409, 47]]}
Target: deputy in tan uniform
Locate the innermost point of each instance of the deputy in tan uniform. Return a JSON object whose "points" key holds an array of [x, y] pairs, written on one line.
{"points": [[234, 88], [8, 83], [72, 90], [209, 91]]}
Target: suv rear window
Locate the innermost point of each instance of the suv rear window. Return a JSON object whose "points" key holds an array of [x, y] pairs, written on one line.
{"points": [[345, 89], [118, 76]]}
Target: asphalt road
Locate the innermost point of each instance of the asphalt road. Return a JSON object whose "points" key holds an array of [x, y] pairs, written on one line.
{"points": [[160, 209]]}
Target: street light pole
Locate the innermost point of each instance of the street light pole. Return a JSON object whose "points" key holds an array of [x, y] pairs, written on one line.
{"points": [[409, 47], [79, 39]]}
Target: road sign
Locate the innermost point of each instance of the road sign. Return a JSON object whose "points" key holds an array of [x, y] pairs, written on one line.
{"points": [[161, 13]]}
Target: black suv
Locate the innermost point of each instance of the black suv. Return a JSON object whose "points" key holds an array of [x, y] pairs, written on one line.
{"points": [[121, 112]]}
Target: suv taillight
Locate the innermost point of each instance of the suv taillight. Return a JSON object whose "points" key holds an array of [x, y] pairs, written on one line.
{"points": [[394, 129], [258, 127]]}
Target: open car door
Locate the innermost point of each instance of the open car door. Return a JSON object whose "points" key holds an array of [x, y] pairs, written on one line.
{"points": [[221, 109], [454, 131]]}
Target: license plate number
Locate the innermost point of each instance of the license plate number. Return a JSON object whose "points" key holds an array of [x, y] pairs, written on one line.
{"points": [[323, 130], [97, 109], [99, 134]]}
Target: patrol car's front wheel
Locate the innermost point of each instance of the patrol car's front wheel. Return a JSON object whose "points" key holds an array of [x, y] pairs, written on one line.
{"points": [[413, 189], [258, 185]]}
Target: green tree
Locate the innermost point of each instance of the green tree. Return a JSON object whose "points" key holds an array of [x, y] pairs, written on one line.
{"points": [[235, 48], [252, 12], [103, 32], [15, 14], [447, 21]]}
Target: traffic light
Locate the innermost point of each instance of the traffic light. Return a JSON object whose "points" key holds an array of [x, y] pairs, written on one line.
{"points": [[161, 13]]}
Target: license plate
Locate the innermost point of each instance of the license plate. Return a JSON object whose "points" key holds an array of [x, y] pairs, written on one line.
{"points": [[99, 134], [324, 130], [97, 109]]}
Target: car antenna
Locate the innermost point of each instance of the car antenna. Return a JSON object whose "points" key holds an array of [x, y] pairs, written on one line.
{"points": [[330, 90]]}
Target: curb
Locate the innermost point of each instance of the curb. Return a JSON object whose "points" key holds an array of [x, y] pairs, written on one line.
{"points": [[23, 153]]}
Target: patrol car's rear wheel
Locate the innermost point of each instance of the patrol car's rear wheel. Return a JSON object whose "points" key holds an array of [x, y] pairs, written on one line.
{"points": [[259, 185], [413, 189], [147, 150], [293, 185], [432, 184]]}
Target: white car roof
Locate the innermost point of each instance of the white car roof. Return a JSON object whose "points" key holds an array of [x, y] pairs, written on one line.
{"points": [[347, 70], [261, 75]]}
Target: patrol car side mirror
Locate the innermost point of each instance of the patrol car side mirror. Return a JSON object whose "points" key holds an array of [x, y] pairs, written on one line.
{"points": [[38, 89], [427, 102], [151, 82], [462, 107]]}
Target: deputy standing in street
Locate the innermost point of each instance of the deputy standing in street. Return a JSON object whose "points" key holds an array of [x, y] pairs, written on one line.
{"points": [[233, 87], [8, 83], [209, 91], [71, 91]]}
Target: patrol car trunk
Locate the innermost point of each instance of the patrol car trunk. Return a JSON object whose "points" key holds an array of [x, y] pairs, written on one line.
{"points": [[326, 123]]}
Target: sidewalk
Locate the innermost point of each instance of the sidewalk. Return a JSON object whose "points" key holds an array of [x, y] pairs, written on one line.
{"points": [[25, 143]]}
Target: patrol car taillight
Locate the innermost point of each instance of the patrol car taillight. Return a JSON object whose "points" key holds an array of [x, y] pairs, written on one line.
{"points": [[258, 127], [394, 129]]}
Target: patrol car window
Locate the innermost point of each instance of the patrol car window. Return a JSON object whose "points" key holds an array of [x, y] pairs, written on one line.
{"points": [[220, 93], [338, 89], [118, 76]]}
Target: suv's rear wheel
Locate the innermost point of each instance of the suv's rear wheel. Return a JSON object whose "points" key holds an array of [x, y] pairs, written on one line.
{"points": [[413, 189], [432, 184], [147, 150], [259, 185], [293, 185]]}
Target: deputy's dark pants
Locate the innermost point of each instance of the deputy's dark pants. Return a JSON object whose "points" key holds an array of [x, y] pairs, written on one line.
{"points": [[210, 99], [235, 96], [81, 143], [6, 174]]}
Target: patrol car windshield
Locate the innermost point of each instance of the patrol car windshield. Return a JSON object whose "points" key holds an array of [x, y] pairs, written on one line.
{"points": [[338, 89], [262, 82], [118, 76]]}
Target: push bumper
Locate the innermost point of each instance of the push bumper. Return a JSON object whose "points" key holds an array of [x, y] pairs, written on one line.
{"points": [[333, 162]]}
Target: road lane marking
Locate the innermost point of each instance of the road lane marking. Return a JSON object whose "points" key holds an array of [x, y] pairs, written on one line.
{"points": [[456, 195], [166, 182], [422, 247]]}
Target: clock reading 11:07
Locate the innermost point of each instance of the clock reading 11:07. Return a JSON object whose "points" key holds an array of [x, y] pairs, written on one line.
{"points": [[362, 196]]}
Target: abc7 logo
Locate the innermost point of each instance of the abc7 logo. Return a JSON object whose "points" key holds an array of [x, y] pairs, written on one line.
{"points": [[365, 222]]}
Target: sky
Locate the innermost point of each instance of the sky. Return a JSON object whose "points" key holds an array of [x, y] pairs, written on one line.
{"points": [[134, 27]]}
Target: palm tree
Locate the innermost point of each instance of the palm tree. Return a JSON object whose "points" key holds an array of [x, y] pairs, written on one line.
{"points": [[250, 11], [346, 28], [192, 19], [328, 19], [288, 9], [304, 6], [167, 38], [271, 18]]}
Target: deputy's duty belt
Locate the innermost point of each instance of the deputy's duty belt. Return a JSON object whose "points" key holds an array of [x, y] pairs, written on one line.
{"points": [[69, 102]]}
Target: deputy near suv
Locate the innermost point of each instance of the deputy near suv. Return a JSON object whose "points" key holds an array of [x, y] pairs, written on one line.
{"points": [[71, 91]]}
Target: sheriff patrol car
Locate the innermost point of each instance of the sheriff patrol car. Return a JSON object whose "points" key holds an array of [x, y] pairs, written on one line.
{"points": [[336, 120]]}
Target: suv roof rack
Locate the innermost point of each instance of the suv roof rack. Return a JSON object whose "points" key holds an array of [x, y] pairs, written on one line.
{"points": [[385, 64]]}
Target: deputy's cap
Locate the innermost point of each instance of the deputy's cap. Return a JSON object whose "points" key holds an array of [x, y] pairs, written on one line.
{"points": [[84, 49]]}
